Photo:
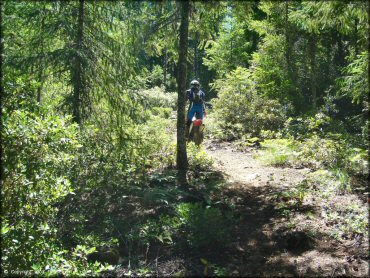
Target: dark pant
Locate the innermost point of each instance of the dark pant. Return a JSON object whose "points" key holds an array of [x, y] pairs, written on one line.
{"points": [[195, 109]]}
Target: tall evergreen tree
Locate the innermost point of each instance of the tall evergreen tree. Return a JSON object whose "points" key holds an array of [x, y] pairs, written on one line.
{"points": [[2, 91], [77, 70], [181, 159]]}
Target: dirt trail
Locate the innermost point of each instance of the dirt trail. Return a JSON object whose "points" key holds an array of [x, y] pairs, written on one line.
{"points": [[243, 168], [269, 243]]}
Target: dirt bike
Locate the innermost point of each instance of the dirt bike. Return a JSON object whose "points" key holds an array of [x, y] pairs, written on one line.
{"points": [[196, 130]]}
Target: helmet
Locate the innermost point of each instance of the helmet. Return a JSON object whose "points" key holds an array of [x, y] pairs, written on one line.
{"points": [[194, 83]]}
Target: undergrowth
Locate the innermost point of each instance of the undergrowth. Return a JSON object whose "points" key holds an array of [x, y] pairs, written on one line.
{"points": [[330, 183], [315, 153]]}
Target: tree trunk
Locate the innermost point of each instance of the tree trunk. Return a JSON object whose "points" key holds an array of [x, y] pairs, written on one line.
{"points": [[312, 49], [340, 54], [2, 92], [196, 56], [368, 46], [77, 73], [287, 37], [182, 159], [289, 54], [165, 69]]}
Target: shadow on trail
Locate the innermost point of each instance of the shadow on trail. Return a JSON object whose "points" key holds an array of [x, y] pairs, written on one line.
{"points": [[258, 248], [255, 247], [253, 240]]}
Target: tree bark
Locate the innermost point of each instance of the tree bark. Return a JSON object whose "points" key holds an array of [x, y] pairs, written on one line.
{"points": [[289, 42], [289, 47], [182, 159], [77, 74], [165, 69], [2, 92], [196, 55], [287, 37], [340, 51]]}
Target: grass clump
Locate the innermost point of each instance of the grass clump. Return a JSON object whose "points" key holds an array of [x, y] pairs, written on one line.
{"points": [[206, 227], [339, 169], [278, 152], [198, 158], [201, 228], [345, 213]]}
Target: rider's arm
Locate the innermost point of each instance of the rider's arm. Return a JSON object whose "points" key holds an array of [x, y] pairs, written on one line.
{"points": [[189, 95]]}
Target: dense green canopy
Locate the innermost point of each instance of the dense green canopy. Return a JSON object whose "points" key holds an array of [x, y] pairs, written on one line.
{"points": [[89, 103]]}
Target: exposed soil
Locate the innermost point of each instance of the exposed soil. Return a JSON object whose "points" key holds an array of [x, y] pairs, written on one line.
{"points": [[273, 235], [271, 243], [241, 167]]}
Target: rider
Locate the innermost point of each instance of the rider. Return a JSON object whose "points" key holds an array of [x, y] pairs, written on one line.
{"points": [[196, 98]]}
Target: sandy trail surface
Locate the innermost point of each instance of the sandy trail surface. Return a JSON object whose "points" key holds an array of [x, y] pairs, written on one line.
{"points": [[242, 167], [274, 242]]}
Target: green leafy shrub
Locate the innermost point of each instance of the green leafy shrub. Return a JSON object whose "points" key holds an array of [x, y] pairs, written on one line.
{"points": [[153, 78], [315, 152], [158, 145], [269, 69], [162, 112], [350, 216], [156, 76], [113, 157], [160, 196], [319, 124], [203, 228], [157, 97], [107, 160], [206, 228], [357, 161], [109, 167], [222, 130], [319, 152], [165, 230], [22, 96], [329, 153], [279, 152], [240, 110], [198, 157], [74, 263], [270, 134], [39, 154], [355, 74]]}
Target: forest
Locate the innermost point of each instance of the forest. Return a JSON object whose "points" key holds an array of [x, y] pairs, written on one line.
{"points": [[105, 171]]}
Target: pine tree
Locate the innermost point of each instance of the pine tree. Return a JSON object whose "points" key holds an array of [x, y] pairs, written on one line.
{"points": [[181, 159]]}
